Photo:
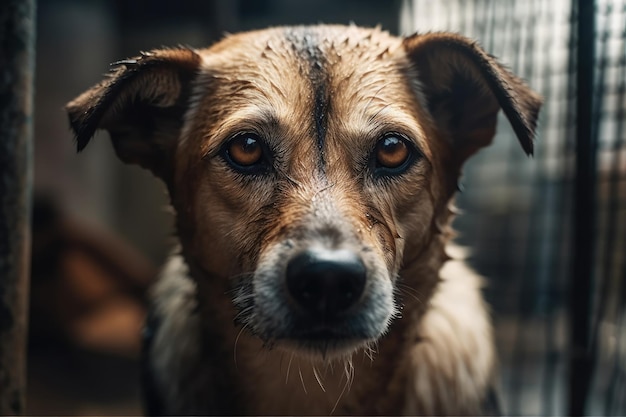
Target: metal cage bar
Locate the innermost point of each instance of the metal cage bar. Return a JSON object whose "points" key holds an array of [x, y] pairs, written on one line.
{"points": [[16, 90]]}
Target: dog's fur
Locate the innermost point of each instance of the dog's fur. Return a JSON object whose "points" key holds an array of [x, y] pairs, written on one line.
{"points": [[419, 340]]}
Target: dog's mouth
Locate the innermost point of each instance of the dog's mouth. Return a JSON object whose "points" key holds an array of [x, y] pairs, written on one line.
{"points": [[328, 333], [324, 342], [323, 345], [322, 333]]}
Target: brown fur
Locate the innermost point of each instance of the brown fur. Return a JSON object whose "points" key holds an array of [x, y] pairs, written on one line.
{"points": [[321, 97]]}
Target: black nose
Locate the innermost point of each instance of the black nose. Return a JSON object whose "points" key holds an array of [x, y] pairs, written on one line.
{"points": [[326, 282]]}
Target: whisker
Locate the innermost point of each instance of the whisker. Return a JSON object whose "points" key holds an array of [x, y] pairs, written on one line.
{"points": [[289, 178], [370, 351], [317, 377], [288, 369], [236, 341], [343, 390], [350, 371], [243, 312], [409, 291], [373, 117], [345, 386], [321, 190], [301, 379], [373, 97]]}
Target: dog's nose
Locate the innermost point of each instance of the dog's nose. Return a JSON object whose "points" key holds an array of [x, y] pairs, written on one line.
{"points": [[326, 282]]}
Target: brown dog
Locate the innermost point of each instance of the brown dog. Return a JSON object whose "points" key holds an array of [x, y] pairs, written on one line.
{"points": [[312, 171]]}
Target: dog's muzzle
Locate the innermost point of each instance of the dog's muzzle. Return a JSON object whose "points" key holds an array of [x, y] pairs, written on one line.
{"points": [[309, 296]]}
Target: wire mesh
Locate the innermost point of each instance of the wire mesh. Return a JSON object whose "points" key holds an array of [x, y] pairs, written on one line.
{"points": [[518, 213], [608, 390]]}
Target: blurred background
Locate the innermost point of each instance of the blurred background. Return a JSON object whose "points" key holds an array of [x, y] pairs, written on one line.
{"points": [[101, 229]]}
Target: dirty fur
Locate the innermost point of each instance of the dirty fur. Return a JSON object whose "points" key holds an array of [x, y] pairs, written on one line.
{"points": [[321, 99]]}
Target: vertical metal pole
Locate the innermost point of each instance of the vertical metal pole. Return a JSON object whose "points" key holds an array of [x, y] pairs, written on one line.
{"points": [[17, 41], [584, 212]]}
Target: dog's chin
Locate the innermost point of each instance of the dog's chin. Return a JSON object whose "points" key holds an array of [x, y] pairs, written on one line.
{"points": [[322, 346]]}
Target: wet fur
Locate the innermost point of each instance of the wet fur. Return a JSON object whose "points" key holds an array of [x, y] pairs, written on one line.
{"points": [[321, 97]]}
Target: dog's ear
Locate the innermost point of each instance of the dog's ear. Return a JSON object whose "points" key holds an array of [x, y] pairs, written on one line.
{"points": [[465, 88], [141, 103]]}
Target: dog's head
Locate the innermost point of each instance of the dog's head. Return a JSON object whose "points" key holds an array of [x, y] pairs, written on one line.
{"points": [[310, 166]]}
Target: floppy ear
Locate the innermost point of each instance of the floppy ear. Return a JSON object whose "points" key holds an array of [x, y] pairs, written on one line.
{"points": [[141, 103], [465, 88]]}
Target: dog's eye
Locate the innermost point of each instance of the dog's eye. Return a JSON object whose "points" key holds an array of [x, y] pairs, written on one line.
{"points": [[244, 151], [392, 154]]}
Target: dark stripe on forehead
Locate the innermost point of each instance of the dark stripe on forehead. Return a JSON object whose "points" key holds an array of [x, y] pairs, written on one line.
{"points": [[306, 43]]}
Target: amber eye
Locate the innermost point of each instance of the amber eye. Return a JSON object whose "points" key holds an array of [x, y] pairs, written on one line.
{"points": [[392, 154], [244, 151]]}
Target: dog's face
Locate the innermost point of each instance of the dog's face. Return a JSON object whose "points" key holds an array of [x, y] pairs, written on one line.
{"points": [[309, 166]]}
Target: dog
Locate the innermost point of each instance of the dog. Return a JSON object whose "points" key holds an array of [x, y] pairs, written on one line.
{"points": [[312, 171]]}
